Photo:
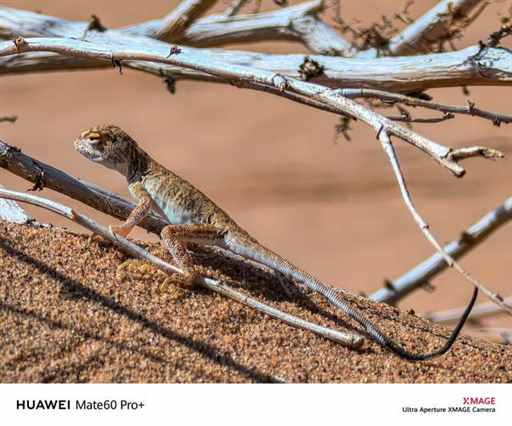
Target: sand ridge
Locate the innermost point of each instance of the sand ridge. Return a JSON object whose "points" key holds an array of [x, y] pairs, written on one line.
{"points": [[68, 314]]}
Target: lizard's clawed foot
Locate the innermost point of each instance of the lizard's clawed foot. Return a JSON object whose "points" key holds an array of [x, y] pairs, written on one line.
{"points": [[115, 230], [191, 277], [98, 239], [135, 269], [188, 281]]}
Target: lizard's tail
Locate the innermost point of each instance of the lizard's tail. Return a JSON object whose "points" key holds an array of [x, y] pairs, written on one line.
{"points": [[265, 256]]}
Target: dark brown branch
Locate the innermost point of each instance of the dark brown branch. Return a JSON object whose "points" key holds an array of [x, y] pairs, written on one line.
{"points": [[13, 160]]}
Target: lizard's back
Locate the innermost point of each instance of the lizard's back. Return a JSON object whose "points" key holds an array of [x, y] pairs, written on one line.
{"points": [[181, 202]]}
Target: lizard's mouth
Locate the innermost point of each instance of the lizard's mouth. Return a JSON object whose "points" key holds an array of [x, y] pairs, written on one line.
{"points": [[87, 151]]}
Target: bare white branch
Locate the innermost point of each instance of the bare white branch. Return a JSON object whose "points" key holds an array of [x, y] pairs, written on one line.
{"points": [[479, 311], [10, 211], [401, 74], [425, 228], [244, 76], [388, 97], [235, 7], [470, 66], [173, 25], [430, 27], [297, 23], [431, 267]]}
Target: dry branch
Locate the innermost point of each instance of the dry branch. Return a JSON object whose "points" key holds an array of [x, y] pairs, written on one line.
{"points": [[431, 267], [493, 67], [235, 7], [299, 23], [430, 28], [425, 228], [295, 23], [244, 76], [10, 211], [396, 98], [173, 25], [348, 339], [479, 311], [470, 66], [45, 176], [8, 118]]}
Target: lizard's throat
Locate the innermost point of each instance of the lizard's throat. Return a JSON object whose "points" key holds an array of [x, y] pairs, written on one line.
{"points": [[137, 167]]}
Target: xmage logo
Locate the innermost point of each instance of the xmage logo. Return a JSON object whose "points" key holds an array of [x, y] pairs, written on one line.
{"points": [[479, 400]]}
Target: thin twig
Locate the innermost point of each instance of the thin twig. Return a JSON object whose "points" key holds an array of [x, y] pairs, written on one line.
{"points": [[348, 339], [498, 334], [8, 118], [431, 267], [479, 311], [425, 228], [470, 109], [235, 7], [429, 120]]}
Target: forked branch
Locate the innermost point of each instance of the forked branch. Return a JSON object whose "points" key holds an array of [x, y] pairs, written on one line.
{"points": [[436, 25], [243, 76], [474, 65], [396, 98], [428, 269]]}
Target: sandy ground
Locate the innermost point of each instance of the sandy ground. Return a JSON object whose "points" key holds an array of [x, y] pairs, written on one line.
{"points": [[65, 319], [331, 208]]}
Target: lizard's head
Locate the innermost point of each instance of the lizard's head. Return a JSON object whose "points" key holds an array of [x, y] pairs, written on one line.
{"points": [[108, 145]]}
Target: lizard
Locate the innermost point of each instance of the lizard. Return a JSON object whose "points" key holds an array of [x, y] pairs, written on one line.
{"points": [[193, 217]]}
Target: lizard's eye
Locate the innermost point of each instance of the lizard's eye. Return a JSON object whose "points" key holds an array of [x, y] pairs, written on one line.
{"points": [[95, 140]]}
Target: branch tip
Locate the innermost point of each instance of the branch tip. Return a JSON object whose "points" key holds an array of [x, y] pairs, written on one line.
{"points": [[474, 151]]}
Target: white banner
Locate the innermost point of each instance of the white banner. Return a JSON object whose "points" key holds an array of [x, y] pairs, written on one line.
{"points": [[260, 405]]}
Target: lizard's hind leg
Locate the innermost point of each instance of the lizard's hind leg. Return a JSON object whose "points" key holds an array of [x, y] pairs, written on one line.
{"points": [[175, 239]]}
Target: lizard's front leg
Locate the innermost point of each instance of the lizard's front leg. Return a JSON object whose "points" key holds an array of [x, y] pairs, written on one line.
{"points": [[144, 206], [175, 239], [141, 210]]}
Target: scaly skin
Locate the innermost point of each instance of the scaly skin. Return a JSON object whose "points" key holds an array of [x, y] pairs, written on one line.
{"points": [[194, 217]]}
